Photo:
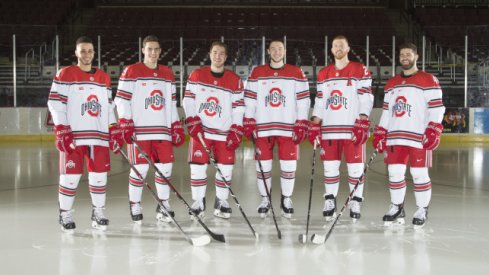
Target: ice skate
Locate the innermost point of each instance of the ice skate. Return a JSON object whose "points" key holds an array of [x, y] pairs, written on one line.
{"points": [[136, 212], [329, 211], [287, 207], [198, 208], [420, 217], [66, 221], [355, 207], [161, 215], [395, 215], [264, 207], [99, 220], [222, 209]]}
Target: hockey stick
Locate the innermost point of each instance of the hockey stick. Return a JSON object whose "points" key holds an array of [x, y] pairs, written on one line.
{"points": [[303, 237], [200, 241], [320, 239], [217, 237], [214, 163], [257, 156]]}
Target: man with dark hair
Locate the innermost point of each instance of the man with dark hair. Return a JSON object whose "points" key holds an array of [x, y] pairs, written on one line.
{"points": [[340, 120], [408, 131], [277, 106], [80, 102], [214, 109], [147, 108]]}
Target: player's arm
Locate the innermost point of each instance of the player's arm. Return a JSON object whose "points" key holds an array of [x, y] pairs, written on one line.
{"points": [[238, 107], [319, 104], [188, 101], [250, 97], [433, 99], [58, 99], [302, 95], [364, 91], [123, 97]]}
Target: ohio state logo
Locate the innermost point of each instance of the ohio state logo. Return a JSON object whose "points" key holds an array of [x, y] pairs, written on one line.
{"points": [[275, 98], [155, 101], [211, 107], [91, 107], [336, 101], [70, 164], [401, 107]]}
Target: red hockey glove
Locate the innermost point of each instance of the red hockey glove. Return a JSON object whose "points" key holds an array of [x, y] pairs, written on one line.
{"points": [[314, 132], [194, 126], [300, 131], [432, 134], [360, 131], [234, 137], [127, 128], [249, 125], [177, 133], [380, 139], [116, 139], [64, 138]]}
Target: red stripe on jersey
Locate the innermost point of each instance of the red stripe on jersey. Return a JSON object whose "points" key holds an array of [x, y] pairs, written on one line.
{"points": [[250, 94], [123, 95], [274, 126], [405, 135], [152, 130], [303, 95], [385, 106], [435, 103], [189, 94], [336, 129], [88, 135]]}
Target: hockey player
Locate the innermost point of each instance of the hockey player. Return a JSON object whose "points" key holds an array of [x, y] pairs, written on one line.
{"points": [[343, 104], [146, 104], [408, 131], [214, 108], [277, 107], [80, 102]]}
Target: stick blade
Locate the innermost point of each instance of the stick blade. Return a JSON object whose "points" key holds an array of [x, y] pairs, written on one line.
{"points": [[201, 241], [219, 237], [302, 238], [318, 239]]}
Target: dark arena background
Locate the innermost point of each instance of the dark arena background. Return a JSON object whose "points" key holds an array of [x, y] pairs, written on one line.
{"points": [[37, 38]]}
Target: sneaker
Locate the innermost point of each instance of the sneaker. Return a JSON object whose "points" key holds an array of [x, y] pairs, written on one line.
{"points": [[420, 217], [355, 205], [197, 208], [287, 207], [222, 209], [329, 210], [136, 212], [395, 214], [161, 214], [99, 220], [66, 221], [264, 207]]}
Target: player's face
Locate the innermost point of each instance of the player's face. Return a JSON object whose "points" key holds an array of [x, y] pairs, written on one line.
{"points": [[151, 52], [276, 50], [85, 53], [218, 56], [340, 48], [407, 58]]}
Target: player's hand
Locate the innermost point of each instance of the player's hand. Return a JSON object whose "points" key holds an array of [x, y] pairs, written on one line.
{"points": [[300, 131], [194, 126], [64, 138], [314, 132], [432, 134], [177, 133], [360, 131], [234, 137], [127, 128], [249, 125], [116, 139], [380, 139]]}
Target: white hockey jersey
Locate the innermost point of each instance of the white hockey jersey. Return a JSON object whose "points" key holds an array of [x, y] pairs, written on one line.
{"points": [[276, 98], [218, 101], [410, 103], [148, 97], [83, 100], [342, 95]]}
